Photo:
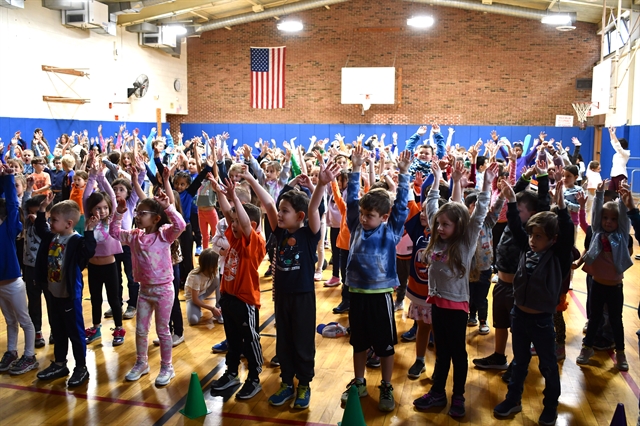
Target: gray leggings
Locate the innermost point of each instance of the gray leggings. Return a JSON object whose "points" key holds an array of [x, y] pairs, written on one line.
{"points": [[13, 302], [194, 312]]}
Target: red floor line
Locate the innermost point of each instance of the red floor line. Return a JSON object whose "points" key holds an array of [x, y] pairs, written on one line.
{"points": [[271, 420], [84, 396], [625, 374]]}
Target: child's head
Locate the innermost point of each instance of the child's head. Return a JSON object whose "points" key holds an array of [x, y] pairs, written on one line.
{"points": [[122, 188], [375, 206], [80, 178], [235, 171], [254, 214], [38, 164], [314, 173], [63, 217], [449, 226], [481, 163], [27, 156], [273, 170], [624, 143], [527, 202], [114, 157], [21, 183], [243, 194], [594, 166], [518, 148], [470, 201], [150, 215], [181, 181], [292, 209], [32, 205], [192, 165], [208, 263], [126, 159], [99, 205], [570, 175], [543, 231], [609, 216], [57, 162], [68, 162], [16, 165], [158, 144], [343, 179], [424, 152], [342, 161]]}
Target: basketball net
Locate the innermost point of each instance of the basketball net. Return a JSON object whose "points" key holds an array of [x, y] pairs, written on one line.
{"points": [[582, 111]]}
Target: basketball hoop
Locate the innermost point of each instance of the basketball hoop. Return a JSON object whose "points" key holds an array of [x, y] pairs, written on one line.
{"points": [[583, 110], [366, 103]]}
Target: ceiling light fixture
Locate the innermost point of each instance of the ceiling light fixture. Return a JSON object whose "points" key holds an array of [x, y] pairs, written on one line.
{"points": [[557, 19], [176, 29], [290, 26], [420, 21]]}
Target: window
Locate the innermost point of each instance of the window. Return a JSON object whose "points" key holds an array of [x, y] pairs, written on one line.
{"points": [[614, 39]]}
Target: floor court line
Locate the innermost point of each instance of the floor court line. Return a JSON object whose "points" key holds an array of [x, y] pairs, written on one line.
{"points": [[625, 374]]}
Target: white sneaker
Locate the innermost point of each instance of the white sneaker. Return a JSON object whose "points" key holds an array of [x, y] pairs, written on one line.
{"points": [[176, 340], [139, 369], [165, 375], [495, 279], [220, 320]]}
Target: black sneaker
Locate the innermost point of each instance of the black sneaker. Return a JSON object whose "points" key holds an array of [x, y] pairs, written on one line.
{"points": [[507, 374], [250, 388], [431, 399], [39, 343], [492, 362], [548, 416], [341, 308], [226, 381], [80, 375], [603, 345], [52, 341], [53, 371], [24, 364], [506, 408], [457, 406], [8, 359], [416, 369], [274, 361]]}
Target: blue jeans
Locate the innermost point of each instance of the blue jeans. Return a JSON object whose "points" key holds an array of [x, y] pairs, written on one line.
{"points": [[537, 329]]}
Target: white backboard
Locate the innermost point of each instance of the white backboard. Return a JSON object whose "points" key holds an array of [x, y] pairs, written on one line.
{"points": [[378, 83], [601, 88]]}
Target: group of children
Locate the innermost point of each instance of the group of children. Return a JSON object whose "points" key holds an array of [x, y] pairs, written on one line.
{"points": [[432, 222]]}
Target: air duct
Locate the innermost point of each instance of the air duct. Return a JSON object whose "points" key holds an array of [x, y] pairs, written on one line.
{"points": [[500, 9], [269, 13], [12, 4]]}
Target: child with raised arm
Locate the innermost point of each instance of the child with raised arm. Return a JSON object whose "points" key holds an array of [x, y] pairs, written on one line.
{"points": [[376, 225], [449, 253], [240, 290], [158, 225], [619, 160], [62, 256], [545, 259]]}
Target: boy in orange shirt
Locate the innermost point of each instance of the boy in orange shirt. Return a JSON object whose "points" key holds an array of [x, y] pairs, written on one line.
{"points": [[240, 290], [41, 180], [77, 190]]}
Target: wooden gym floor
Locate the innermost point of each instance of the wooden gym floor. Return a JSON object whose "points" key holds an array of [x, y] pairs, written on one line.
{"points": [[589, 394]]}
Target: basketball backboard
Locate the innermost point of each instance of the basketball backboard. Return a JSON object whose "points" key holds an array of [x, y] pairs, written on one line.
{"points": [[368, 86]]}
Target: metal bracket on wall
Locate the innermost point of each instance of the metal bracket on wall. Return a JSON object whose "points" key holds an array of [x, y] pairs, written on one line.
{"points": [[63, 99]]}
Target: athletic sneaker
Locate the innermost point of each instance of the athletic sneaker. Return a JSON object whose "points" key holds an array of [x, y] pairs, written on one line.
{"points": [[28, 363], [560, 352], [387, 401], [533, 350], [495, 279], [108, 313], [398, 306], [585, 353], [584, 329], [176, 340], [621, 362], [139, 369], [457, 406], [8, 359], [282, 395], [274, 361], [637, 257], [39, 343], [129, 313], [416, 369], [492, 362], [484, 328], [53, 371], [341, 308], [361, 386], [226, 381], [220, 320], [165, 375], [472, 322], [250, 389], [373, 361], [92, 334], [220, 348], [118, 336], [548, 416], [506, 408], [80, 375], [332, 282], [410, 335], [198, 250], [303, 398], [317, 276], [431, 399], [52, 341]]}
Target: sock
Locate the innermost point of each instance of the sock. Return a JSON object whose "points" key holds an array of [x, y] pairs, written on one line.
{"points": [[360, 379], [420, 358]]}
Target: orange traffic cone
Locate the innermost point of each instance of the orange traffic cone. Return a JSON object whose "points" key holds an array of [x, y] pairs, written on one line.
{"points": [[195, 406]]}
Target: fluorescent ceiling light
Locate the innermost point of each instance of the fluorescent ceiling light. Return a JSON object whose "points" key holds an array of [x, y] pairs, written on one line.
{"points": [[176, 29], [556, 19], [420, 21], [290, 26]]}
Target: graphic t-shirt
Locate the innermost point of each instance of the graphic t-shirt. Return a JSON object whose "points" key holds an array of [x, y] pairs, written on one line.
{"points": [[418, 285], [55, 262], [295, 260], [240, 275]]}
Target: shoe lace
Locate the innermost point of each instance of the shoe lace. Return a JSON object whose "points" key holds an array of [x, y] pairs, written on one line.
{"points": [[6, 357], [283, 387], [354, 382], [302, 392], [21, 362], [386, 391], [457, 402]]}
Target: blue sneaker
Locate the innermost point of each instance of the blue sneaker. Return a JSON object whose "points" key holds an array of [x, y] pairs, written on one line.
{"points": [[92, 334], [198, 250], [411, 334], [303, 398], [282, 395], [220, 347]]}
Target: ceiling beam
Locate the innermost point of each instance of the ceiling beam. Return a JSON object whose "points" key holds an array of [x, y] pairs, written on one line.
{"points": [[164, 11]]}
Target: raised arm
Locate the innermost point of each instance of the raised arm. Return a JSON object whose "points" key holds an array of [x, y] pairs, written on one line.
{"points": [[265, 198]]}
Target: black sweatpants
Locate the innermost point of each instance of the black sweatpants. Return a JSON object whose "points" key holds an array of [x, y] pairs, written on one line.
{"points": [[450, 333], [107, 275], [124, 259], [67, 324], [197, 236], [34, 296], [186, 246], [295, 342], [241, 328]]}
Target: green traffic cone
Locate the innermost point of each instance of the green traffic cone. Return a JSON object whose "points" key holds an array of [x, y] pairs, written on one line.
{"points": [[195, 406], [353, 411]]}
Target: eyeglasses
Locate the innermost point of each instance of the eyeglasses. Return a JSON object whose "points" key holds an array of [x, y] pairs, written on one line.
{"points": [[143, 212]]}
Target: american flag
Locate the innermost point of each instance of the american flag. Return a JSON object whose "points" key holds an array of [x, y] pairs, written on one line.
{"points": [[267, 77]]}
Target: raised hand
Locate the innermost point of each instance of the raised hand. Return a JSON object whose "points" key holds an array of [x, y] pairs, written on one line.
{"points": [[30, 180], [313, 139], [394, 136], [458, 170], [360, 138], [404, 161], [357, 157], [558, 175], [435, 128], [507, 191], [494, 135], [100, 128], [541, 167], [575, 141], [246, 151], [339, 137], [92, 222], [328, 173], [436, 171], [419, 180], [602, 185], [162, 199], [542, 135], [491, 173], [581, 198], [305, 181]]}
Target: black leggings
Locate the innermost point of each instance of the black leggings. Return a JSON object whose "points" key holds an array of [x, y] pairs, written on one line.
{"points": [[176, 324], [335, 251], [186, 245], [107, 275], [449, 332]]}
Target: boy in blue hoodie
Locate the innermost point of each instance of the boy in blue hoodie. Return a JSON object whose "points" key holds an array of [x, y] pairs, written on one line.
{"points": [[376, 227]]}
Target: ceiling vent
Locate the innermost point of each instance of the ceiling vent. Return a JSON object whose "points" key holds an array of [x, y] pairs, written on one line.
{"points": [[144, 28], [125, 7], [62, 4], [12, 4], [92, 15], [160, 39]]}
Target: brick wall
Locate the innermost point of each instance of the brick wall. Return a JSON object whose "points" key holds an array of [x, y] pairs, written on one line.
{"points": [[470, 68]]}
